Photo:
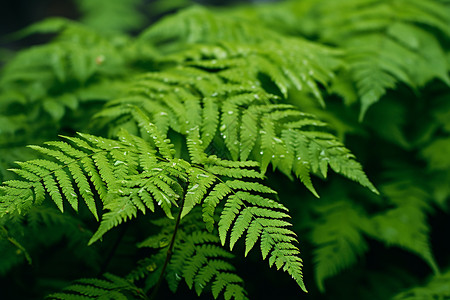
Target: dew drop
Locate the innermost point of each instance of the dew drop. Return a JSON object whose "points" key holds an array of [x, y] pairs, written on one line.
{"points": [[277, 140], [118, 162]]}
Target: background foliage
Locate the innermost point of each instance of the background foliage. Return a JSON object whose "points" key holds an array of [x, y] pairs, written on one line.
{"points": [[222, 124]]}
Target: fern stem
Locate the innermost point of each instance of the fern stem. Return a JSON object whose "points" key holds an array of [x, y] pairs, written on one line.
{"points": [[169, 254]]}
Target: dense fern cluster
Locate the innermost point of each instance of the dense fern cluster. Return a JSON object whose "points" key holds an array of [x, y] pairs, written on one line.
{"points": [[218, 131]]}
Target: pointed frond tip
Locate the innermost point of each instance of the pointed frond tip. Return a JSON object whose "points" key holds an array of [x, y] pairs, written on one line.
{"points": [[248, 212]]}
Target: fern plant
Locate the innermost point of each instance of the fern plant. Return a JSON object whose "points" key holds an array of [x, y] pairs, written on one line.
{"points": [[157, 162]]}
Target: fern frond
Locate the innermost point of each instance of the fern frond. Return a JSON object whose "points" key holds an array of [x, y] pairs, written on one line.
{"points": [[252, 128], [205, 265], [243, 51], [437, 287], [186, 26], [197, 258], [339, 240], [91, 159], [112, 287], [405, 225], [256, 216], [116, 16], [68, 166], [160, 186], [382, 41]]}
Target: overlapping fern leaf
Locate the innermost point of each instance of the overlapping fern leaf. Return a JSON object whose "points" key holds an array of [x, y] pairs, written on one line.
{"points": [[243, 118], [96, 170], [340, 232], [386, 42], [243, 51], [133, 174], [45, 87], [197, 258]]}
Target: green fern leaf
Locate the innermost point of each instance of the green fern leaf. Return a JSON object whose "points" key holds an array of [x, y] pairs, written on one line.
{"points": [[120, 211], [219, 192], [210, 119], [198, 187], [437, 287], [339, 240], [110, 287], [382, 43], [197, 258], [260, 218], [406, 224]]}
